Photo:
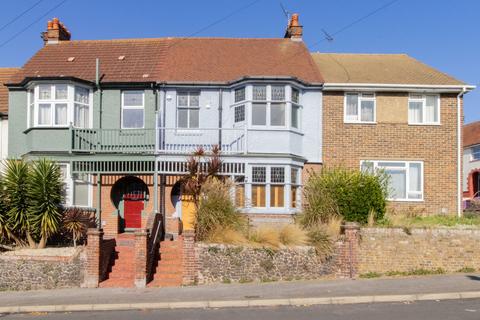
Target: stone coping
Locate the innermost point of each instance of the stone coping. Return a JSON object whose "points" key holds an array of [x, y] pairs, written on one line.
{"points": [[65, 254]]}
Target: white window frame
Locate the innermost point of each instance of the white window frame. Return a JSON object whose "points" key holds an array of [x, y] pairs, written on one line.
{"points": [[70, 101], [268, 102], [423, 100], [298, 104], [139, 107], [69, 182], [360, 98], [287, 208], [188, 108], [472, 152], [406, 167]]}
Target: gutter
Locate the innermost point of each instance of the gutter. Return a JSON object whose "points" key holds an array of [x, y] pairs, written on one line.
{"points": [[397, 87], [459, 152]]}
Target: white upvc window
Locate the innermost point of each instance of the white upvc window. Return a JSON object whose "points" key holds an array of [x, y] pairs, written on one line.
{"points": [[239, 106], [475, 153], [359, 107], [268, 187], [424, 109], [133, 109], [58, 105], [296, 108], [406, 178], [188, 109]]}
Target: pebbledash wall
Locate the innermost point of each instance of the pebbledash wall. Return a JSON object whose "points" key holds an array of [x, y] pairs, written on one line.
{"points": [[382, 250], [392, 138], [42, 272]]}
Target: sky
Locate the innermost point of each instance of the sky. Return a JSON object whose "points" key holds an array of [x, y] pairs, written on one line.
{"points": [[440, 33]]}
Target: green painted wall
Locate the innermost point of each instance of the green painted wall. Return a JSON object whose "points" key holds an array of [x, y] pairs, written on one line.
{"points": [[23, 141]]}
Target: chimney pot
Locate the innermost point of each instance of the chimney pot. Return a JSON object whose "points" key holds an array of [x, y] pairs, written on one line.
{"points": [[294, 29], [56, 31]]}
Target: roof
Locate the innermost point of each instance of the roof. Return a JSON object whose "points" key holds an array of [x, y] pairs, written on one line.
{"points": [[195, 60], [401, 69], [471, 134], [5, 74]]}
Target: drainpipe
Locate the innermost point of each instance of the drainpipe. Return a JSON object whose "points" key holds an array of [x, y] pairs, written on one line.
{"points": [[220, 113], [459, 151], [97, 82]]}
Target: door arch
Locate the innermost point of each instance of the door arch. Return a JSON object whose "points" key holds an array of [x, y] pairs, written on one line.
{"points": [[129, 195]]}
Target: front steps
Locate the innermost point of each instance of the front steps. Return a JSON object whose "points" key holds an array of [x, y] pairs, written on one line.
{"points": [[169, 272], [122, 274]]}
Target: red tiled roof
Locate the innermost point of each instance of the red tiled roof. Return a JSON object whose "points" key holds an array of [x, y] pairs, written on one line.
{"points": [[471, 134], [5, 74], [200, 60]]}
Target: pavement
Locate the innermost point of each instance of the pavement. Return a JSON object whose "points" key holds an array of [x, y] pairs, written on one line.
{"points": [[425, 310], [295, 293]]}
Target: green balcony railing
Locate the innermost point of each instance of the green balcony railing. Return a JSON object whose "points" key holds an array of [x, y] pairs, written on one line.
{"points": [[113, 140]]}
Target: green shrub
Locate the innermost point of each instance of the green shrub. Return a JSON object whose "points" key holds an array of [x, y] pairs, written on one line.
{"points": [[352, 194], [216, 209]]}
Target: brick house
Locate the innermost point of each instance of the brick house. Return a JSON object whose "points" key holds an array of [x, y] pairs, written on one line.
{"points": [[393, 112], [471, 158], [121, 116]]}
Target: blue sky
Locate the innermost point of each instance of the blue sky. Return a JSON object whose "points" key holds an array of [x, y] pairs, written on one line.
{"points": [[441, 33]]}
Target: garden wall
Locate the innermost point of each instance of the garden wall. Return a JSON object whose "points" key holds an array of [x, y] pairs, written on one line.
{"points": [[227, 263], [383, 250], [30, 272]]}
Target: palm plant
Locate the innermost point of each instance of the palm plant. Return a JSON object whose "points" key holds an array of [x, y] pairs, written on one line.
{"points": [[45, 195], [76, 221], [16, 196]]}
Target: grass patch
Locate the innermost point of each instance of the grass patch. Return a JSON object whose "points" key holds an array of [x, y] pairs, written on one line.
{"points": [[370, 275], [466, 270], [245, 280], [407, 222]]}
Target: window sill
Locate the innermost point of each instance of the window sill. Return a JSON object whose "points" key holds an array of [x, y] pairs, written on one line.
{"points": [[406, 200], [284, 129], [424, 124], [46, 128], [360, 122]]}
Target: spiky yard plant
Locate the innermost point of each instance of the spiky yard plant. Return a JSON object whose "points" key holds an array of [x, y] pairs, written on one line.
{"points": [[16, 180], [76, 222], [45, 195]]}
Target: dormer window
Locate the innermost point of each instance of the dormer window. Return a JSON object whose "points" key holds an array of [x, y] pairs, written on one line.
{"points": [[58, 105]]}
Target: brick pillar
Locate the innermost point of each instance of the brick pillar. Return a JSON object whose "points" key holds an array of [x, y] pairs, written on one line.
{"points": [[141, 258], [348, 260], [94, 247], [173, 226], [189, 259]]}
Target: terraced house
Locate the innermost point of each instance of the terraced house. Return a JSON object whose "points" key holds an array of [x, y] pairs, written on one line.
{"points": [[121, 116]]}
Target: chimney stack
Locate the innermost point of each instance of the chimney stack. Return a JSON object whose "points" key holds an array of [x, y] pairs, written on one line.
{"points": [[294, 29], [56, 32]]}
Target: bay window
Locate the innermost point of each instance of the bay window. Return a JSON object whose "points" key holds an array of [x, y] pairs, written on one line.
{"points": [[76, 188], [406, 178], [239, 109], [277, 187], [294, 187], [359, 108], [57, 105], [188, 105], [259, 184], [475, 153], [295, 116], [133, 109], [424, 109]]}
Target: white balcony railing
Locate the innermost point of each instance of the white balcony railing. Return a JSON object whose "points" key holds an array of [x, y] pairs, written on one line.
{"points": [[185, 141]]}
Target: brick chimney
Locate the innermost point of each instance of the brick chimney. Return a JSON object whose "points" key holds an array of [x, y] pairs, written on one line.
{"points": [[294, 29], [56, 32]]}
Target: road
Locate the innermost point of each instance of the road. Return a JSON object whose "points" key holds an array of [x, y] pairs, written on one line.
{"points": [[438, 310]]}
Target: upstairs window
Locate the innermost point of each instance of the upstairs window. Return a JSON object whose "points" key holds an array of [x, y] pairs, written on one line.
{"points": [[359, 108], [268, 112], [188, 105], [239, 110], [240, 94], [424, 109], [56, 105], [295, 112], [133, 109], [475, 153]]}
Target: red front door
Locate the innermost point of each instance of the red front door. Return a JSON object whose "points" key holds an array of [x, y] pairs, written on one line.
{"points": [[133, 204]]}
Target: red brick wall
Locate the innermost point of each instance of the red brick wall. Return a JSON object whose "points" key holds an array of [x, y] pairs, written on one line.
{"points": [[347, 144]]}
